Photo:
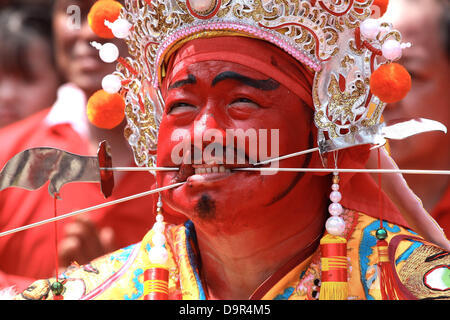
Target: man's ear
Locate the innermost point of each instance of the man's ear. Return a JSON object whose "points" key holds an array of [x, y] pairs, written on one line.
{"points": [[354, 157]]}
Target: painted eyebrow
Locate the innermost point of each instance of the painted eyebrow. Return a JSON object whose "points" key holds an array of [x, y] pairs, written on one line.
{"points": [[190, 80], [265, 85]]}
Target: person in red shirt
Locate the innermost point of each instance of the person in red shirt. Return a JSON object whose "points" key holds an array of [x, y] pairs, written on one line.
{"points": [[28, 76], [30, 254], [425, 24]]}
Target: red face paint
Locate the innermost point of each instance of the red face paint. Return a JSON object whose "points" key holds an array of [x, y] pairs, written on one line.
{"points": [[218, 96]]}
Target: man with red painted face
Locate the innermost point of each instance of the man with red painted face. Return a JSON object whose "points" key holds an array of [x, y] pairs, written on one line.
{"points": [[248, 234], [268, 213]]}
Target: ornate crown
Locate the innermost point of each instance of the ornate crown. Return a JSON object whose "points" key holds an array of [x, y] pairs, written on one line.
{"points": [[325, 35]]}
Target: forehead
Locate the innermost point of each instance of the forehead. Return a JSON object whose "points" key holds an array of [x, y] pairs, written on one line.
{"points": [[208, 70]]}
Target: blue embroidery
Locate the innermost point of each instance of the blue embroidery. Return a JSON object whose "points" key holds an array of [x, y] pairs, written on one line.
{"points": [[123, 254], [285, 295], [405, 255], [365, 250], [139, 286], [191, 235]]}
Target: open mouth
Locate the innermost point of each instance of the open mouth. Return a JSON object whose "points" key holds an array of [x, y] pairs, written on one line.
{"points": [[204, 169], [211, 169], [210, 172]]}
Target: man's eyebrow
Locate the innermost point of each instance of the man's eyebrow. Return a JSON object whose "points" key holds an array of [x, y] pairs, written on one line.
{"points": [[265, 85], [190, 80]]}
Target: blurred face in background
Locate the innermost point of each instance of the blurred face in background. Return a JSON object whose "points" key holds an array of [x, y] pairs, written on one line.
{"points": [[77, 60], [421, 23], [28, 78]]}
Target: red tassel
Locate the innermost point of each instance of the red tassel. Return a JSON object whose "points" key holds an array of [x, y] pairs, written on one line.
{"points": [[388, 284], [156, 283]]}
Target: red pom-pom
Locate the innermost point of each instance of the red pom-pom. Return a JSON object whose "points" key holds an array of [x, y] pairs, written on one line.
{"points": [[379, 8], [103, 10], [105, 110], [390, 82]]}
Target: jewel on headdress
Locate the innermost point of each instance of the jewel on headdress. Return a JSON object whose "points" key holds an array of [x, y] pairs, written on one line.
{"points": [[120, 28], [101, 11], [201, 7], [390, 82], [111, 83], [108, 52], [370, 28], [105, 110], [392, 49]]}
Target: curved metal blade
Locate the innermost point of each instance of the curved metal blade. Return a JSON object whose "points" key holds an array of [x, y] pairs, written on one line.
{"points": [[32, 168], [377, 134], [402, 129]]}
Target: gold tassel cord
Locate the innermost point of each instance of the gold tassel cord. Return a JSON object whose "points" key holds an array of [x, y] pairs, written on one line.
{"points": [[334, 285]]}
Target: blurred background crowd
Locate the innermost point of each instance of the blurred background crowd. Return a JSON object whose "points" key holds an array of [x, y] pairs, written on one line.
{"points": [[49, 69]]}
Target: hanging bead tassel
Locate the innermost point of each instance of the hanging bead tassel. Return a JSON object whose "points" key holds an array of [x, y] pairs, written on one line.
{"points": [[388, 287], [156, 280], [156, 277], [334, 268], [333, 248], [57, 288]]}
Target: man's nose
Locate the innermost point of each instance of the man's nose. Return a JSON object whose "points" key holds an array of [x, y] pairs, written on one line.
{"points": [[205, 122], [207, 130]]}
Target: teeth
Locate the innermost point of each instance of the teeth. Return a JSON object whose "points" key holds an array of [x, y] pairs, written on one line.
{"points": [[199, 170], [220, 169]]}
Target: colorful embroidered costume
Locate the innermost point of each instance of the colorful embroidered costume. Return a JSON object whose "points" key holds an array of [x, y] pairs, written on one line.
{"points": [[421, 268]]}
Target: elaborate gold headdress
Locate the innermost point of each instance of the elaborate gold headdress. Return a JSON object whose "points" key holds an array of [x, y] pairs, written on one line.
{"points": [[335, 38]]}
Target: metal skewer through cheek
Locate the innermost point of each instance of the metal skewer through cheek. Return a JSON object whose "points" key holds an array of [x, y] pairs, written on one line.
{"points": [[385, 171], [106, 204], [260, 169]]}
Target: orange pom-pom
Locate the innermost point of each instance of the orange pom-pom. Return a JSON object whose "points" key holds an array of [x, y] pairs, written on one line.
{"points": [[103, 10], [390, 82], [379, 8], [105, 110]]}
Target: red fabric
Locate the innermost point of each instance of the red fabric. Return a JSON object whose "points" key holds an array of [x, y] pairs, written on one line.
{"points": [[441, 213], [30, 253], [335, 271]]}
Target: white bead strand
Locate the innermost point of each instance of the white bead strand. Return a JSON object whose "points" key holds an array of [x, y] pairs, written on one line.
{"points": [[370, 28], [335, 225], [158, 254], [111, 83]]}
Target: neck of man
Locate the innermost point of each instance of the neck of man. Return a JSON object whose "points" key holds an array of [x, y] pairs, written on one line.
{"points": [[234, 264]]}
